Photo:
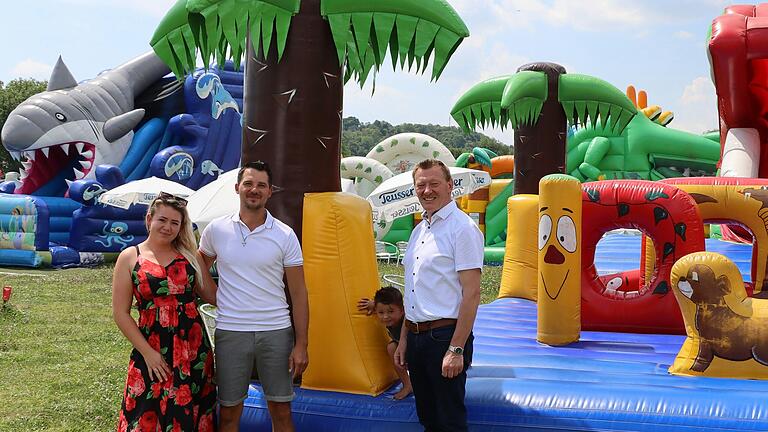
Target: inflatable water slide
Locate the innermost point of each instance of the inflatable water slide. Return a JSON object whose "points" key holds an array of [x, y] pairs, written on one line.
{"points": [[131, 122]]}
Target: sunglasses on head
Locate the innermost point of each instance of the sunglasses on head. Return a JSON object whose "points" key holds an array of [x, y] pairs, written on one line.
{"points": [[171, 198]]}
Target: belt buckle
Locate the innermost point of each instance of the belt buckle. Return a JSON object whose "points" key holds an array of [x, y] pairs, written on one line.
{"points": [[417, 327]]}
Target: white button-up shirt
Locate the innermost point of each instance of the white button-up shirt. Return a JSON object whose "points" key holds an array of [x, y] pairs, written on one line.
{"points": [[437, 251]]}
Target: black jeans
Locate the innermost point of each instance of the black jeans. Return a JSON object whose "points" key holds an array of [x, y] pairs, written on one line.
{"points": [[439, 400]]}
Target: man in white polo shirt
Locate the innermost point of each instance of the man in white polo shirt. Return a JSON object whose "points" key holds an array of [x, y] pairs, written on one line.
{"points": [[253, 251], [443, 264]]}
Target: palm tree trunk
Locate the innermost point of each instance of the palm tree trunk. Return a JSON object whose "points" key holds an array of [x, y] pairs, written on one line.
{"points": [[540, 149], [292, 111]]}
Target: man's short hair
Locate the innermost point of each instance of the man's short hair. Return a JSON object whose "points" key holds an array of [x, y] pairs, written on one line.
{"points": [[431, 163], [389, 295], [258, 166]]}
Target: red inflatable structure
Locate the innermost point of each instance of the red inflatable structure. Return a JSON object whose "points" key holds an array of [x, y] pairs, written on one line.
{"points": [[738, 50], [663, 212]]}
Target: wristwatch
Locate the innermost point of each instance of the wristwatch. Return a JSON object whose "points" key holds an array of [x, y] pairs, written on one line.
{"points": [[456, 349]]}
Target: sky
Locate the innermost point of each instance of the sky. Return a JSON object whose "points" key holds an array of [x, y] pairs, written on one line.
{"points": [[658, 46]]}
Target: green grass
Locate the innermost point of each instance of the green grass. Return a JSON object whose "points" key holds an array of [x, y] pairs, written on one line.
{"points": [[62, 359]]}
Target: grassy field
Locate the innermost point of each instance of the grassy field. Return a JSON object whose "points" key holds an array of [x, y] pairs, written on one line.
{"points": [[62, 359]]}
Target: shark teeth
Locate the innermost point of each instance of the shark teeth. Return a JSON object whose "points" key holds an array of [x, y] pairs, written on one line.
{"points": [[16, 155], [78, 174], [30, 155], [26, 164], [79, 146], [45, 151], [22, 173], [87, 154], [85, 164]]}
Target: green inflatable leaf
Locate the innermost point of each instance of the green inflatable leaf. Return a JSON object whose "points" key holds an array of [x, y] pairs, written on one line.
{"points": [[655, 194], [412, 30], [219, 28], [368, 170], [379, 149], [669, 249], [593, 194], [623, 209], [659, 214], [662, 288], [680, 229], [467, 111]]}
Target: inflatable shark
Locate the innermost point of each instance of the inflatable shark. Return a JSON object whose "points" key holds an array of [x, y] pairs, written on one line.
{"points": [[62, 134]]}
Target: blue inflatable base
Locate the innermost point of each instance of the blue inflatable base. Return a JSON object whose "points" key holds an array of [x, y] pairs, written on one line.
{"points": [[605, 382]]}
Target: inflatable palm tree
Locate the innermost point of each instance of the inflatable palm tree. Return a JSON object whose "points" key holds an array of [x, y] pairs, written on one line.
{"points": [[538, 101], [299, 55]]}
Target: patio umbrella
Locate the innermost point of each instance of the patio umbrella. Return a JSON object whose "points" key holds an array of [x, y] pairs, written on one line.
{"points": [[142, 191], [395, 197], [217, 198]]}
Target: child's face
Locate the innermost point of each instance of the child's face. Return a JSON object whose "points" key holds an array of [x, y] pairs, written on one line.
{"points": [[389, 314]]}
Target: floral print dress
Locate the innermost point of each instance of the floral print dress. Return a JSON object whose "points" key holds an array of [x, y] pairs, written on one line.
{"points": [[169, 320]]}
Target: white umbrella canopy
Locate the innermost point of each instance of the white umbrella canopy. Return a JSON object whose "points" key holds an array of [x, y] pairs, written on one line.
{"points": [[396, 196], [142, 191], [217, 198]]}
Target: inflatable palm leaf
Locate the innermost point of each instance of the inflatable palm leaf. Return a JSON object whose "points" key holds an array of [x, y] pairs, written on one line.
{"points": [[524, 95], [219, 29], [481, 105], [517, 100], [413, 31], [587, 99]]}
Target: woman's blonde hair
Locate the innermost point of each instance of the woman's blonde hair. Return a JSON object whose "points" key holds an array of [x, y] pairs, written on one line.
{"points": [[185, 241]]}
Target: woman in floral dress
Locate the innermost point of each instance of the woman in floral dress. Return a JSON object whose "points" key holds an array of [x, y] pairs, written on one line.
{"points": [[170, 373]]}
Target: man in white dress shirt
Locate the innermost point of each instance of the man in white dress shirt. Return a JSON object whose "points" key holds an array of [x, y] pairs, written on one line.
{"points": [[443, 265]]}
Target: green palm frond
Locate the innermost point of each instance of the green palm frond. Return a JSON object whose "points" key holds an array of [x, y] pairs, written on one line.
{"points": [[481, 105], [219, 29], [524, 96], [586, 98], [363, 30], [483, 156]]}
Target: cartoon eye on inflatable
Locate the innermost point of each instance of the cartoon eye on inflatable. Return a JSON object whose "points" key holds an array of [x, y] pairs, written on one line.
{"points": [[566, 233], [118, 230], [60, 117], [545, 230]]}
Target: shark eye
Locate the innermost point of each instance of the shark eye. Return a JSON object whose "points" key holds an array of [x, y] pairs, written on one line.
{"points": [[60, 117], [566, 233], [545, 230]]}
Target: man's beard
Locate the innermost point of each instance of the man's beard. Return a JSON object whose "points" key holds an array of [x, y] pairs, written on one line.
{"points": [[260, 205]]}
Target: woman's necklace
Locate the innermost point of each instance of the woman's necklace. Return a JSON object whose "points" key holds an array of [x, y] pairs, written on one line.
{"points": [[243, 236]]}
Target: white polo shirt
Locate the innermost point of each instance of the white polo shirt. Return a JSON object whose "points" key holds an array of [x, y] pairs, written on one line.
{"points": [[251, 294], [437, 251]]}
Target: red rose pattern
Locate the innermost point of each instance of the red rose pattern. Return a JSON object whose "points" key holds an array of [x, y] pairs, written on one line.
{"points": [[169, 320]]}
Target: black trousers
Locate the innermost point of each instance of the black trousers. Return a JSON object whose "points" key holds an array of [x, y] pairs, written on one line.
{"points": [[439, 400]]}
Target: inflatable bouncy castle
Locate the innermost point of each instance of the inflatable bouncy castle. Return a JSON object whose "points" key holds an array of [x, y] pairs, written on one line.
{"points": [[129, 123]]}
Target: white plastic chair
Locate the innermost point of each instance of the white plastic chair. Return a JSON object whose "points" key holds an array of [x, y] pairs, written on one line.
{"points": [[401, 247], [386, 251], [208, 313], [395, 280]]}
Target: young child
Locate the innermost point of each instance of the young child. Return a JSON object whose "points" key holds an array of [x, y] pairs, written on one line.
{"points": [[387, 303]]}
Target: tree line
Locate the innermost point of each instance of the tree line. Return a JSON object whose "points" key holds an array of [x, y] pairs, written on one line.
{"points": [[358, 138]]}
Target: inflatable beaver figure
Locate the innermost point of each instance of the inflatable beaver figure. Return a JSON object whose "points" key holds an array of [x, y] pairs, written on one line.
{"points": [[719, 316]]}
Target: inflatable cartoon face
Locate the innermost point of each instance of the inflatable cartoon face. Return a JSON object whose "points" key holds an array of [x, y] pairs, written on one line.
{"points": [[558, 240], [559, 261]]}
